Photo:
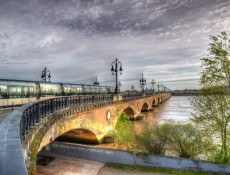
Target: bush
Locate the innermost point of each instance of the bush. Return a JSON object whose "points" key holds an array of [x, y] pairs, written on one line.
{"points": [[183, 140], [153, 140]]}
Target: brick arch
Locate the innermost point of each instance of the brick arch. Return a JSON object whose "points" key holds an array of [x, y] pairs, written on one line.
{"points": [[145, 107], [74, 123], [79, 135], [130, 112]]}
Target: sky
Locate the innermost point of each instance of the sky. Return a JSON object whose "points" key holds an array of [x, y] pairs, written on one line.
{"points": [[78, 40]]}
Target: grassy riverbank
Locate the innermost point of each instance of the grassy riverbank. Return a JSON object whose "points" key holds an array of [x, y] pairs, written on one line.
{"points": [[156, 170]]}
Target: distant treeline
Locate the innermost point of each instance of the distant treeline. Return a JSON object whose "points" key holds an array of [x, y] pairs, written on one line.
{"points": [[186, 92]]}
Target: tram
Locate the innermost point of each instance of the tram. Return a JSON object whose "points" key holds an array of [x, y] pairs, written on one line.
{"points": [[18, 92]]}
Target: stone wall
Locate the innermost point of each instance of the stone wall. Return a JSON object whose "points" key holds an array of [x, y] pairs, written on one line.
{"points": [[126, 157]]}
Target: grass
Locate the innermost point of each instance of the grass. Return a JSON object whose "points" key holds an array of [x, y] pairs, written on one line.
{"points": [[156, 170]]}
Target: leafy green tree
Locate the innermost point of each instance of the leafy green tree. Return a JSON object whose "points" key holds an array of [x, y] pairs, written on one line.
{"points": [[123, 133], [217, 63], [212, 105]]}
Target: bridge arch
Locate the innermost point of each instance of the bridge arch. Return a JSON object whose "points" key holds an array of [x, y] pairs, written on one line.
{"points": [[79, 135], [73, 124], [130, 112], [145, 107]]}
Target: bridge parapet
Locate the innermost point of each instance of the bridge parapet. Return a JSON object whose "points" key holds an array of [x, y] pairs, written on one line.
{"points": [[18, 124]]}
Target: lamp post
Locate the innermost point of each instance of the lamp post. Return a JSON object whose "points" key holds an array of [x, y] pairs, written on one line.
{"points": [[96, 83], [162, 88], [115, 68], [158, 87], [143, 83], [153, 84], [132, 87], [46, 75], [119, 86]]}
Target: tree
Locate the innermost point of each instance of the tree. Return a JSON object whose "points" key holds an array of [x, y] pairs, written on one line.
{"points": [[217, 64], [123, 133], [212, 105]]}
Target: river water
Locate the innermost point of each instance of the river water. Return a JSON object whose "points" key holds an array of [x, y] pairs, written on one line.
{"points": [[176, 108]]}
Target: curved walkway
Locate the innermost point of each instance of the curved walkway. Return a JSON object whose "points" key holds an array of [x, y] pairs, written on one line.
{"points": [[71, 166]]}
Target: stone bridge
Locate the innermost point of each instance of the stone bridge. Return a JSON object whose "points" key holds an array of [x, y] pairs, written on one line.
{"points": [[27, 130]]}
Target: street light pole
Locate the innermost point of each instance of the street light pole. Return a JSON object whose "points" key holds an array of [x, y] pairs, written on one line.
{"points": [[44, 74], [158, 87], [153, 83], [96, 83], [132, 87], [119, 86], [143, 83], [115, 68]]}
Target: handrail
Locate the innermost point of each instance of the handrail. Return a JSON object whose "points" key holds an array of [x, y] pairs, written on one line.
{"points": [[41, 109], [131, 95]]}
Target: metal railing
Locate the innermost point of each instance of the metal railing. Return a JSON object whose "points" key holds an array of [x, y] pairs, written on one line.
{"points": [[130, 95], [41, 109]]}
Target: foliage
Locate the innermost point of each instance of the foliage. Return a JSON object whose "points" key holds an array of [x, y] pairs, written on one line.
{"points": [[217, 64], [123, 133], [212, 106], [184, 140], [153, 140]]}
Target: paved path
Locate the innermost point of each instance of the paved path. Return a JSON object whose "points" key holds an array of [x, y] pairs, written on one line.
{"points": [[69, 166], [4, 112], [72, 166]]}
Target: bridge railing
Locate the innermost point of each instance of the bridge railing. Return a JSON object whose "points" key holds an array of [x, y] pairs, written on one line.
{"points": [[130, 95], [41, 109]]}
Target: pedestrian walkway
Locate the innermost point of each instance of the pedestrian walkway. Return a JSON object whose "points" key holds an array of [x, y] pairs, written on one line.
{"points": [[69, 166]]}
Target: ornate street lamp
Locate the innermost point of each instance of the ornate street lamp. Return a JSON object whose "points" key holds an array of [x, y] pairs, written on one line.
{"points": [[153, 84], [115, 68], [46, 74], [143, 83], [96, 83]]}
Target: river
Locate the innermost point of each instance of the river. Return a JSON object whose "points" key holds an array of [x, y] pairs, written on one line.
{"points": [[176, 108]]}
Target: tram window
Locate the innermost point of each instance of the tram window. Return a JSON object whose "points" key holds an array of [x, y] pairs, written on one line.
{"points": [[48, 89], [3, 91]]}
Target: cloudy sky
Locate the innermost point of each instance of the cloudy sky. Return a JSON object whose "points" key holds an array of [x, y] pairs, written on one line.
{"points": [[78, 39]]}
